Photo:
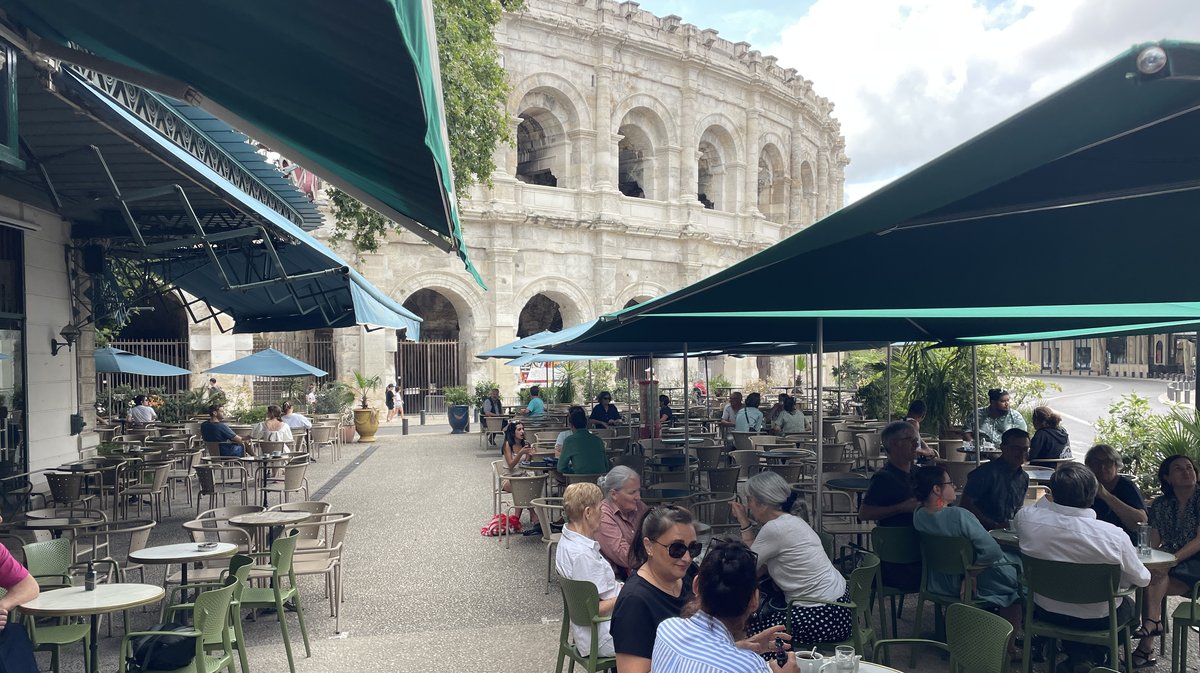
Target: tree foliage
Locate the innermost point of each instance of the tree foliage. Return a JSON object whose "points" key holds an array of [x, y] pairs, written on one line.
{"points": [[474, 91]]}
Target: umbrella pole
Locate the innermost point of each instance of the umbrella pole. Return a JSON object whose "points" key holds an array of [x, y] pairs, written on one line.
{"points": [[889, 383], [687, 444], [975, 404], [818, 425], [708, 393]]}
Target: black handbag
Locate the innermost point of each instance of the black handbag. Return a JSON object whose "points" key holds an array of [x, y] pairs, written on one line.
{"points": [[162, 652], [772, 603]]}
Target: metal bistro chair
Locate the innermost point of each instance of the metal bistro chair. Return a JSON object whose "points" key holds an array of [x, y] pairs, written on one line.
{"points": [[523, 491], [549, 509], [490, 428]]}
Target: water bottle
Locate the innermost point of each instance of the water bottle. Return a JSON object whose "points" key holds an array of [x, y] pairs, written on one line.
{"points": [[1143, 540], [89, 579]]}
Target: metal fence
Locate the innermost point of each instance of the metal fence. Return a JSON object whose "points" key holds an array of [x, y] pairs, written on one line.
{"points": [[316, 350], [170, 351], [425, 369]]}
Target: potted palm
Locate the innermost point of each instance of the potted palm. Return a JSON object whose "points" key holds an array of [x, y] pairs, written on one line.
{"points": [[458, 409], [366, 417]]}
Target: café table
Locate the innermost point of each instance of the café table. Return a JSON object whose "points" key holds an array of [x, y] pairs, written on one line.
{"points": [[1038, 473], [783, 455], [56, 525], [679, 441], [269, 521], [104, 599], [184, 553], [856, 485]]}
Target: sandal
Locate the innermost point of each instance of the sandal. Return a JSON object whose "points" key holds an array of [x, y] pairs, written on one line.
{"points": [[1144, 659], [1143, 633]]}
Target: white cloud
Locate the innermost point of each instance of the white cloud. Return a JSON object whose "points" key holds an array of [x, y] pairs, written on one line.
{"points": [[913, 79]]}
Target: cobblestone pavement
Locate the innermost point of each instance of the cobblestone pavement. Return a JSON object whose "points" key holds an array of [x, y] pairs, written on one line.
{"points": [[424, 590]]}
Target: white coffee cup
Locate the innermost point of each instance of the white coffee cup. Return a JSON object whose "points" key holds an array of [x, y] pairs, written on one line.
{"points": [[809, 662]]}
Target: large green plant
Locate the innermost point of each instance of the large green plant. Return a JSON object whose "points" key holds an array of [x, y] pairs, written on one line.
{"points": [[1131, 428], [565, 388], [334, 397], [482, 390], [457, 396], [600, 375], [366, 385]]}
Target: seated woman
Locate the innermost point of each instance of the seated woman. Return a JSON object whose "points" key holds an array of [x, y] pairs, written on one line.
{"points": [[1118, 501], [726, 595], [996, 586], [1050, 440], [749, 418], [789, 421], [1174, 518], [792, 554], [665, 416], [578, 558], [273, 429], [293, 418], [517, 451], [661, 587], [621, 513]]}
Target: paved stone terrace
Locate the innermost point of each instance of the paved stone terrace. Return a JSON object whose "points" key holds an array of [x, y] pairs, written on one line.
{"points": [[424, 590]]}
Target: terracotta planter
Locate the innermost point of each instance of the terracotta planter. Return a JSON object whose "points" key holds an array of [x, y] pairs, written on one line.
{"points": [[366, 424], [347, 434]]}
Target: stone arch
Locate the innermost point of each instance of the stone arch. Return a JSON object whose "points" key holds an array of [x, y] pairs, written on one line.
{"points": [[470, 311], [640, 291], [549, 111], [808, 191], [823, 201], [646, 133], [651, 109], [565, 99], [716, 176], [573, 302], [772, 184]]}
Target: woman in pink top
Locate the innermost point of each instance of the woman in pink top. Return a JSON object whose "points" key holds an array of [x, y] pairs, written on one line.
{"points": [[17, 581], [621, 515]]}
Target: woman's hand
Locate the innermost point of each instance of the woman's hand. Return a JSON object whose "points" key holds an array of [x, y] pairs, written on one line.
{"points": [[764, 641], [788, 666], [739, 512]]}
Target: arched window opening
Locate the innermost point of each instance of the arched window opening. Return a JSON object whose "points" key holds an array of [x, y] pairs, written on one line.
{"points": [[709, 172], [772, 189], [540, 314], [439, 319], [633, 163], [541, 150]]}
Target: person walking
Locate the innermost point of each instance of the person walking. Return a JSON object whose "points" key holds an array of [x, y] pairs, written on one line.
{"points": [[389, 400]]}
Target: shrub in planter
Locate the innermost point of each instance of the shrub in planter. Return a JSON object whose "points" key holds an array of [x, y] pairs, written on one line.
{"points": [[458, 409]]}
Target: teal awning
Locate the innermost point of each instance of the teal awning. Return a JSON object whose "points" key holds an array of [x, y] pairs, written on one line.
{"points": [[1070, 202], [353, 94], [268, 362]]}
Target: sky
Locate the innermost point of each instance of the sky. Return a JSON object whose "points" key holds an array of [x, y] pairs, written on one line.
{"points": [[912, 79]]}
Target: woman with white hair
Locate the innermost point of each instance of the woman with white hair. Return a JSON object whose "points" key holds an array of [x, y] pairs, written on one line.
{"points": [[621, 514], [578, 558], [791, 553]]}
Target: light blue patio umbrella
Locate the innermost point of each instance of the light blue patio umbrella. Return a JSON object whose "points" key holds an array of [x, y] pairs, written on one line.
{"points": [[116, 361], [269, 362]]}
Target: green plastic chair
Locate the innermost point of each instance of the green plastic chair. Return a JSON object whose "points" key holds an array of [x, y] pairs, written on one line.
{"points": [[211, 614], [1186, 614], [948, 556], [50, 562], [861, 582], [240, 566], [52, 638], [581, 606], [893, 544], [976, 639], [1075, 583], [282, 552]]}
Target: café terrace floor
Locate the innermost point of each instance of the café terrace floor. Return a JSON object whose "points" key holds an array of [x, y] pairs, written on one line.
{"points": [[424, 591]]}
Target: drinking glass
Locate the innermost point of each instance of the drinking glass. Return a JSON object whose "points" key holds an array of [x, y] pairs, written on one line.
{"points": [[844, 658]]}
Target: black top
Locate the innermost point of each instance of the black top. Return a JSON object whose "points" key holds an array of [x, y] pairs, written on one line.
{"points": [[640, 608], [216, 431], [599, 414], [666, 411], [997, 489], [890, 486], [1049, 443], [1128, 493], [389, 396]]}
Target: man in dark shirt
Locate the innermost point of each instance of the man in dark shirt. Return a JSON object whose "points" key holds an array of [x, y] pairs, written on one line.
{"points": [[230, 444], [996, 489], [604, 414], [890, 499]]}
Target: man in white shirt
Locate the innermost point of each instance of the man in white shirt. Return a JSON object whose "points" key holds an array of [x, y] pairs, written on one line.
{"points": [[1066, 529], [142, 413]]}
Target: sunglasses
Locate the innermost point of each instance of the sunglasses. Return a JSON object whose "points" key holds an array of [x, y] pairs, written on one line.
{"points": [[676, 549]]}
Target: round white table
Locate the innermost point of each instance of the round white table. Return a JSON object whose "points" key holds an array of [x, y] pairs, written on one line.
{"points": [[106, 598], [184, 554], [269, 520]]}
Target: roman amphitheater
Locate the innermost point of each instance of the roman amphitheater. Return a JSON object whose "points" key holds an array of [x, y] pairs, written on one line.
{"points": [[649, 154]]}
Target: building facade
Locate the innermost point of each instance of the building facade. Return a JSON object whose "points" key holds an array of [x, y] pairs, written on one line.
{"points": [[649, 154], [1140, 356]]}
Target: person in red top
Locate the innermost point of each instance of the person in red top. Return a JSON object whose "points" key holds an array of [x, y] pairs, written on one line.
{"points": [[15, 649], [621, 514]]}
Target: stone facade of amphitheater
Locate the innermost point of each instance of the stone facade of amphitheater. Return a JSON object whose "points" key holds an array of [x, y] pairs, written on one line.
{"points": [[650, 153]]}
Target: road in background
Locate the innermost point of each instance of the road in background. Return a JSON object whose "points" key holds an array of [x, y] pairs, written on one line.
{"points": [[1083, 400]]}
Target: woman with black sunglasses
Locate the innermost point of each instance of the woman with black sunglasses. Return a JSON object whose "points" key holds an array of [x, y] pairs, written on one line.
{"points": [[726, 595], [662, 585]]}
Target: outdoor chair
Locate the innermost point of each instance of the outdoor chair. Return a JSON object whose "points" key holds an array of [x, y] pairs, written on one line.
{"points": [[708, 457], [581, 607], [1186, 614], [715, 509], [309, 535], [977, 641], [325, 559], [320, 436], [490, 427], [869, 449], [283, 588], [741, 440], [953, 556], [1075, 583], [663, 493], [897, 545], [66, 488], [723, 479], [211, 621], [633, 461], [549, 510], [573, 478], [182, 468], [97, 545], [235, 575], [747, 460], [498, 479], [221, 479], [293, 480], [790, 471], [523, 491], [861, 582]]}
